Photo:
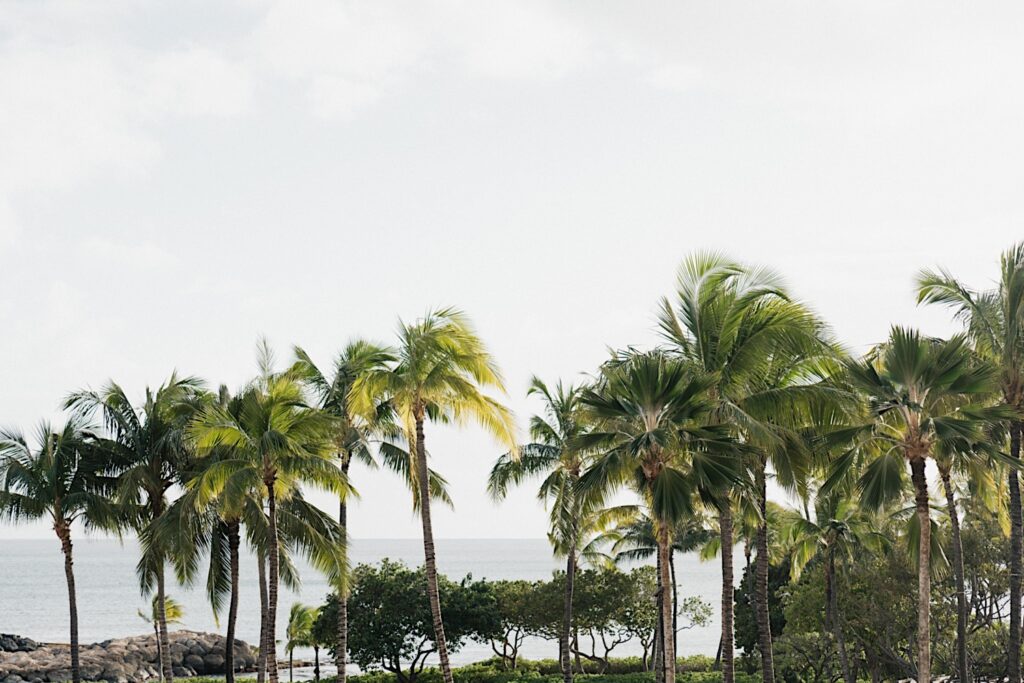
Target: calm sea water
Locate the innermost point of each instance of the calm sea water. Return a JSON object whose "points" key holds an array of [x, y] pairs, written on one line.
{"points": [[33, 597]]}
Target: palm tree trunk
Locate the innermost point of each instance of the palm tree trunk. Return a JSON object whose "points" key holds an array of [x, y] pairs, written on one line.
{"points": [[229, 644], [261, 659], [924, 668], [834, 621], [675, 600], [164, 640], [273, 569], [316, 663], [291, 666], [658, 655], [764, 624], [665, 598], [1016, 569], [341, 649], [430, 563], [64, 534], [963, 665], [566, 633], [727, 647]]}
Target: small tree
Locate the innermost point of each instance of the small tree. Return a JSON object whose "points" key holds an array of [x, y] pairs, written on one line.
{"points": [[518, 618]]}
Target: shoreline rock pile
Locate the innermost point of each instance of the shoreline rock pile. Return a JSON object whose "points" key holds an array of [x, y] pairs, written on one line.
{"points": [[123, 660]]}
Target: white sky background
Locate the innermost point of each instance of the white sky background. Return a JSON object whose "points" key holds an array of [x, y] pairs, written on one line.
{"points": [[177, 179]]}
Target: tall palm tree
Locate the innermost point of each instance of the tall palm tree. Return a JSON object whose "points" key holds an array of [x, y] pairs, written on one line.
{"points": [[441, 368], [651, 432], [150, 450], [733, 321], [61, 479], [278, 440], [994, 320], [837, 530], [920, 392], [351, 437], [554, 455]]}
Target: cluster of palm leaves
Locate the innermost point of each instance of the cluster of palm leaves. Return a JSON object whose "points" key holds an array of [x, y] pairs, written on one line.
{"points": [[194, 473], [749, 385]]}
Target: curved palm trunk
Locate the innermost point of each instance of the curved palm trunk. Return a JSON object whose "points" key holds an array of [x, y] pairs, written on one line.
{"points": [[163, 639], [726, 645], [229, 643], [341, 648], [1016, 569], [924, 663], [764, 624], [261, 658], [273, 568], [665, 600], [64, 534], [962, 663], [833, 621], [566, 633], [430, 563]]}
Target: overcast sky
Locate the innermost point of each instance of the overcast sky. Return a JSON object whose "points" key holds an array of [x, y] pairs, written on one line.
{"points": [[177, 179]]}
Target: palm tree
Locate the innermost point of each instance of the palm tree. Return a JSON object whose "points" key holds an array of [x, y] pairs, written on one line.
{"points": [[837, 530], [919, 393], [994, 321], [633, 539], [149, 448], [279, 441], [173, 613], [553, 454], [62, 479], [441, 367], [299, 632], [733, 321], [651, 432], [351, 437]]}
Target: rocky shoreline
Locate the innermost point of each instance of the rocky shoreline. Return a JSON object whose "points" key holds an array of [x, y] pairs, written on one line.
{"points": [[122, 660]]}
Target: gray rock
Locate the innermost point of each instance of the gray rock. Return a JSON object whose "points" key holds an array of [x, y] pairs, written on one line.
{"points": [[12, 643], [195, 662], [61, 675], [214, 663]]}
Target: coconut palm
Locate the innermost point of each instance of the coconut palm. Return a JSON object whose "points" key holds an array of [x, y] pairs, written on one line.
{"points": [[279, 441], [441, 368], [61, 479], [920, 392], [353, 439], [147, 444], [734, 321], [553, 454], [173, 613], [299, 632], [837, 530], [652, 433], [994, 321], [633, 539]]}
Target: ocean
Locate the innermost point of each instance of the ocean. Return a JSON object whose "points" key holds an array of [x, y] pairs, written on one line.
{"points": [[33, 594]]}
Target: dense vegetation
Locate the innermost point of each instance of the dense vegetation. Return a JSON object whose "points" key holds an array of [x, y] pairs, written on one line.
{"points": [[901, 555]]}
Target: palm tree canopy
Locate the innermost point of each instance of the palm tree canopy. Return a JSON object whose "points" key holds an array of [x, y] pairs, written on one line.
{"points": [[441, 368], [925, 396], [64, 477], [652, 431]]}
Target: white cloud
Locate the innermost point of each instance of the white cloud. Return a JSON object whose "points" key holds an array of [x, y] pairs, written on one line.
{"points": [[677, 77], [196, 82], [144, 256]]}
